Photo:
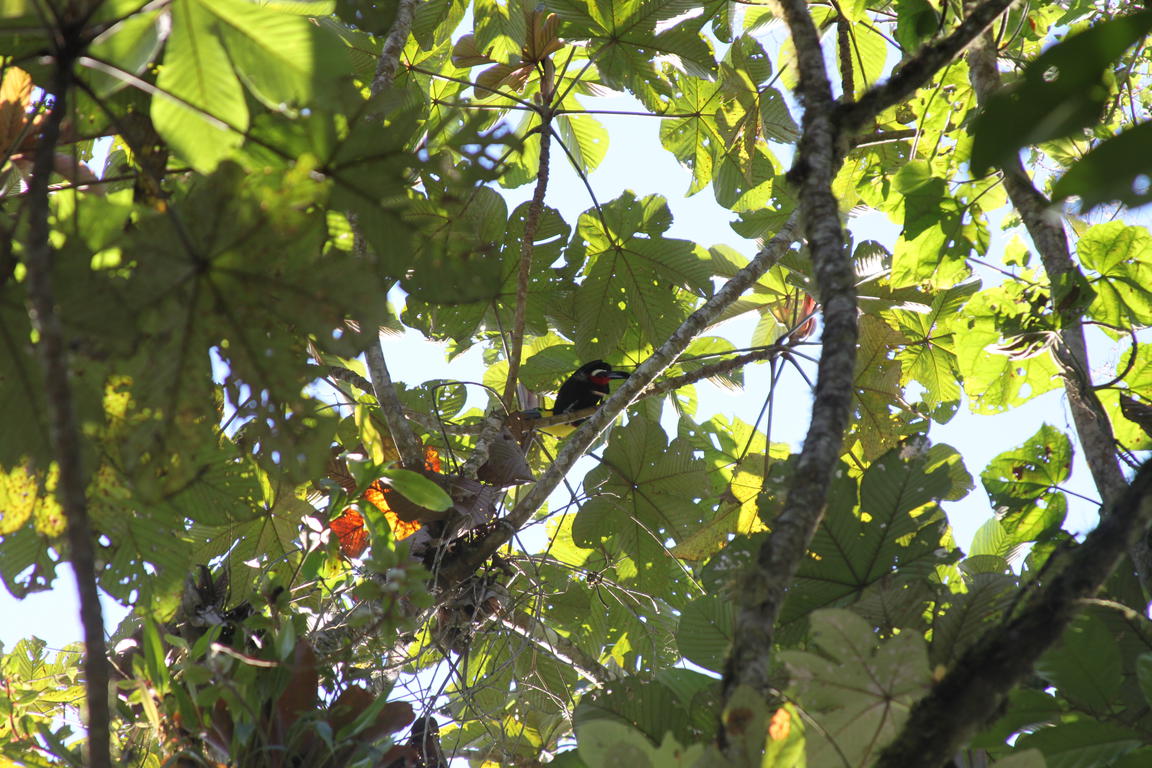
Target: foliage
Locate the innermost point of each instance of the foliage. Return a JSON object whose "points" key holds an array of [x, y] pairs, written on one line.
{"points": [[233, 202]]}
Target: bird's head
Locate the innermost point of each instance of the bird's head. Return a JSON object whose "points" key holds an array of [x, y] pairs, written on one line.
{"points": [[600, 373]]}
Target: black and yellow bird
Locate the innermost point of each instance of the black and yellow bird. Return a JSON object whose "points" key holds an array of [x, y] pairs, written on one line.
{"points": [[585, 388]]}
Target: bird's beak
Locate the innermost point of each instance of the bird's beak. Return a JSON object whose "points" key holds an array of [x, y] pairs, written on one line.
{"points": [[618, 375]]}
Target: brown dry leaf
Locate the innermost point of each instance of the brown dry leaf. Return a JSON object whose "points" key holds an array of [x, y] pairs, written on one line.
{"points": [[506, 464], [15, 95], [300, 697]]}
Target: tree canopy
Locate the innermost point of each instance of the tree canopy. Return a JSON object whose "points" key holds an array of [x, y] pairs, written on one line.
{"points": [[207, 203]]}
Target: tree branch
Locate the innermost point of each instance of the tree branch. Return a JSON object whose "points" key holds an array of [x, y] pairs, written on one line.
{"points": [[762, 595], [971, 692], [919, 69], [528, 243], [407, 443], [844, 48], [65, 433], [462, 563], [389, 60], [1047, 232]]}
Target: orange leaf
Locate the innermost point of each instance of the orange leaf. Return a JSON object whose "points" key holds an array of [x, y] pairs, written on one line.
{"points": [[15, 95], [431, 459], [351, 532], [377, 495], [781, 725]]}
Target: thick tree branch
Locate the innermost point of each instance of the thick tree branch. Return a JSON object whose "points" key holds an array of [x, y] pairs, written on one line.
{"points": [[1047, 232], [844, 49], [763, 589], [462, 563], [918, 70], [528, 243], [407, 443], [64, 431], [971, 692]]}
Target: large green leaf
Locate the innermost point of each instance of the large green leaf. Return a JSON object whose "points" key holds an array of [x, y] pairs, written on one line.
{"points": [[1085, 666], [1081, 743], [895, 526], [705, 631], [1121, 255], [693, 136], [1115, 169], [929, 357], [1018, 476], [634, 277], [960, 619], [200, 108], [647, 492], [284, 59], [857, 689], [997, 377], [624, 39], [1062, 91]]}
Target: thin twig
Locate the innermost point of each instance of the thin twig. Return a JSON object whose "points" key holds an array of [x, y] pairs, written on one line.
{"points": [[65, 433]]}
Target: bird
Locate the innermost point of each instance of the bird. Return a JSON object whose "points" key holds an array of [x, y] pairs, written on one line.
{"points": [[585, 388]]}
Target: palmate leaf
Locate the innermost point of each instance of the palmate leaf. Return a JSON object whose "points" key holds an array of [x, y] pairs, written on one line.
{"points": [[929, 357], [633, 274], [1082, 742], [603, 742], [21, 384], [896, 525], [585, 137], [1063, 91], [1122, 258], [858, 690], [284, 60], [1019, 476], [705, 632], [960, 619], [201, 110], [994, 381], [679, 702], [938, 234], [237, 266], [880, 420], [625, 37], [695, 140], [869, 52], [647, 492], [461, 321], [1091, 680]]}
